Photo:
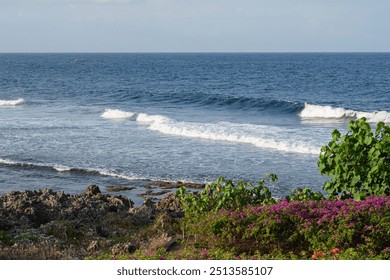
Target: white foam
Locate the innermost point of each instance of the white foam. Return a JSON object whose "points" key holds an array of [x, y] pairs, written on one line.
{"points": [[15, 102], [145, 118], [7, 162], [61, 168], [116, 114], [328, 112], [262, 136], [109, 173]]}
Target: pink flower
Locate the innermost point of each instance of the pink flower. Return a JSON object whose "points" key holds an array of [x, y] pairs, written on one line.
{"points": [[335, 251]]}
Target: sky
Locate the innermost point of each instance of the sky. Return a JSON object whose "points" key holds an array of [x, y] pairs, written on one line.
{"points": [[194, 26]]}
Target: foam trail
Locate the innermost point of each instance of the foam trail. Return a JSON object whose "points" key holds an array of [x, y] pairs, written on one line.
{"points": [[15, 102], [328, 112], [116, 114], [262, 136], [56, 167], [109, 173], [6, 162], [62, 168]]}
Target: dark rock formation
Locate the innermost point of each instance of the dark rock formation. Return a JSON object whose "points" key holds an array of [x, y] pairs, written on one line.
{"points": [[83, 224]]}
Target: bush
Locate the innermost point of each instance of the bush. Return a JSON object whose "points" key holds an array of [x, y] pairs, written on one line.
{"points": [[223, 194], [305, 194], [303, 229], [358, 162]]}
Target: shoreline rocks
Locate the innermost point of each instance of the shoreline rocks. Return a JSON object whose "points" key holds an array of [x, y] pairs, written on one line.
{"points": [[82, 222]]}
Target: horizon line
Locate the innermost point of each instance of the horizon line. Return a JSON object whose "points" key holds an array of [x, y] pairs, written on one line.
{"points": [[193, 52]]}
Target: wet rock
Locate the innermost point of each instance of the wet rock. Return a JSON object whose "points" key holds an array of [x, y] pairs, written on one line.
{"points": [[150, 193], [119, 188], [174, 185], [92, 190]]}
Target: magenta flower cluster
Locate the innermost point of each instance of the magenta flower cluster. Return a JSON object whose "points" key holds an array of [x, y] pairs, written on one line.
{"points": [[311, 225]]}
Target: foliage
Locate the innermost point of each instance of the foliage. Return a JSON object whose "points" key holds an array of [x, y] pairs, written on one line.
{"points": [[6, 238], [159, 254], [305, 194], [223, 194], [358, 162], [357, 229], [65, 231]]}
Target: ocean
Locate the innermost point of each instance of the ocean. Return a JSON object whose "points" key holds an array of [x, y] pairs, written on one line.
{"points": [[71, 120]]}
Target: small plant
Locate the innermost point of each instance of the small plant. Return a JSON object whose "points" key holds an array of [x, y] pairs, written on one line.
{"points": [[223, 194], [305, 194], [358, 162], [6, 238], [159, 254]]}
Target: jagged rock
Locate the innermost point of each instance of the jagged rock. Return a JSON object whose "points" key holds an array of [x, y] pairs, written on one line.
{"points": [[92, 190], [85, 221], [144, 214], [171, 205], [119, 188], [121, 249], [93, 246], [163, 240], [174, 185], [43, 206]]}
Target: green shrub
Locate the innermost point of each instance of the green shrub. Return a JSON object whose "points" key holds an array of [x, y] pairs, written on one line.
{"points": [[305, 194], [351, 229], [223, 194], [358, 162], [6, 238]]}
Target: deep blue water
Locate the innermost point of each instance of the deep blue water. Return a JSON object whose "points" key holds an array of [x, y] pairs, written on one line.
{"points": [[69, 120]]}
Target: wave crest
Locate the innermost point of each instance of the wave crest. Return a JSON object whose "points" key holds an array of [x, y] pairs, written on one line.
{"points": [[328, 112], [116, 114], [63, 168], [15, 102], [261, 136]]}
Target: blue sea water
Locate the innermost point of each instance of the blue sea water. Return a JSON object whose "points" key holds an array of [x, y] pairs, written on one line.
{"points": [[70, 120]]}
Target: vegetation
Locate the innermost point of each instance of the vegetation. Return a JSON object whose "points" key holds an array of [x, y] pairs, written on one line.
{"points": [[358, 162], [223, 194], [299, 229], [247, 222]]}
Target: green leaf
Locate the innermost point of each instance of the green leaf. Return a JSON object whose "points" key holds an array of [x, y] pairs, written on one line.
{"points": [[355, 180], [368, 140]]}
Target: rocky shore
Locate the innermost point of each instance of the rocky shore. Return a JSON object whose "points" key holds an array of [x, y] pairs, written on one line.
{"points": [[45, 224]]}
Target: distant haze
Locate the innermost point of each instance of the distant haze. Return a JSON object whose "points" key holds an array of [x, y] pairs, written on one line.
{"points": [[194, 26]]}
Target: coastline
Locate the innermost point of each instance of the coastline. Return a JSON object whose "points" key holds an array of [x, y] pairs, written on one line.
{"points": [[48, 225], [45, 224]]}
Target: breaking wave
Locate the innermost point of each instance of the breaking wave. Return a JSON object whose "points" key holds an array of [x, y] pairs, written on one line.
{"points": [[262, 136], [328, 112], [62, 169], [15, 102], [116, 114]]}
